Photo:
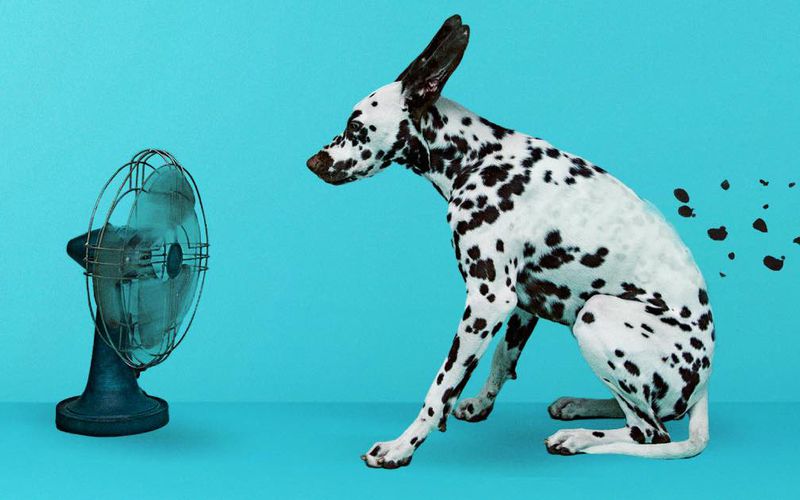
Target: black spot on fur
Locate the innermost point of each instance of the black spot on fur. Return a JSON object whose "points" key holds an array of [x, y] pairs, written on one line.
{"points": [[632, 368], [453, 354], [493, 174], [483, 269], [660, 387], [553, 238], [637, 435], [596, 259], [498, 131], [631, 291]]}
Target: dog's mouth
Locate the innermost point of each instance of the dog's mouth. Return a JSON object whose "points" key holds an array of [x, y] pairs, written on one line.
{"points": [[336, 179], [341, 181]]}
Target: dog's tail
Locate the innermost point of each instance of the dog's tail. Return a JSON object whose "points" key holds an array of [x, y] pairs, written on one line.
{"points": [[698, 439]]}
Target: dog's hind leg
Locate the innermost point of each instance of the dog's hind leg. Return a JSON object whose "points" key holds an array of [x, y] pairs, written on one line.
{"points": [[504, 362], [567, 408], [655, 370]]}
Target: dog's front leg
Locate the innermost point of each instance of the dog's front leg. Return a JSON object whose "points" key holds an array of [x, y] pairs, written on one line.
{"points": [[481, 320]]}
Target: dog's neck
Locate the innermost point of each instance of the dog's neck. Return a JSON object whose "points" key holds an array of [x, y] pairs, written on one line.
{"points": [[454, 139]]}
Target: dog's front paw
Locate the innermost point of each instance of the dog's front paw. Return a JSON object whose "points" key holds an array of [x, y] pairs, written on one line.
{"points": [[474, 409], [390, 454]]}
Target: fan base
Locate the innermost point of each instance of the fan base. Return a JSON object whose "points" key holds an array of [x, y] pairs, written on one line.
{"points": [[68, 420]]}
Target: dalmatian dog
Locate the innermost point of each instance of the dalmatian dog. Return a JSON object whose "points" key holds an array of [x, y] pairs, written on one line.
{"points": [[539, 233]]}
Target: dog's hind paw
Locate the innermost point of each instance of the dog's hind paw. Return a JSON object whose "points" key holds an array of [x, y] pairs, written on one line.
{"points": [[390, 454], [567, 442], [565, 409], [474, 409]]}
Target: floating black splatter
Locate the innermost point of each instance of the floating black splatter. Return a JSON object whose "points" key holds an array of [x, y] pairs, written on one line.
{"points": [[765, 206], [796, 240], [722, 275], [760, 225], [731, 255], [718, 233], [681, 195], [725, 185], [763, 182], [773, 263], [791, 184], [686, 211]]}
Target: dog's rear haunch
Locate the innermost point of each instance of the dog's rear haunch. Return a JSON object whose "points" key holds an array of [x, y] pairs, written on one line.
{"points": [[539, 233]]}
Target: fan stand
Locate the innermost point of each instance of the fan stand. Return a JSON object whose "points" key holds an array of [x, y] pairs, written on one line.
{"points": [[112, 404]]}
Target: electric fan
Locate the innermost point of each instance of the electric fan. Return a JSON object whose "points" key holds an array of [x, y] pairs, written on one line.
{"points": [[145, 265]]}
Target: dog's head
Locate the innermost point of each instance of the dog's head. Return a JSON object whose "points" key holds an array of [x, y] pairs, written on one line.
{"points": [[384, 126]]}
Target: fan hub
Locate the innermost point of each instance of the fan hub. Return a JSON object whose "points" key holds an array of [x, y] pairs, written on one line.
{"points": [[174, 260]]}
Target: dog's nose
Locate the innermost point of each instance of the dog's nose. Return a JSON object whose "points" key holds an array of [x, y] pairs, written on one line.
{"points": [[319, 162]]}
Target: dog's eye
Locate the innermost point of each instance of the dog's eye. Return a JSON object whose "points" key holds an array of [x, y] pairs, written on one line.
{"points": [[354, 126]]}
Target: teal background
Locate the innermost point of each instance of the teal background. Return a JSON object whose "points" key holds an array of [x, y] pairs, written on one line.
{"points": [[322, 294]]}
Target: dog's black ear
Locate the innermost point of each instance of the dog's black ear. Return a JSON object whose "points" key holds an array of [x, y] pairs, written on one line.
{"points": [[425, 78], [451, 22]]}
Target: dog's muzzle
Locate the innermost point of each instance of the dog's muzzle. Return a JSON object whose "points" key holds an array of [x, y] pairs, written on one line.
{"points": [[320, 163]]}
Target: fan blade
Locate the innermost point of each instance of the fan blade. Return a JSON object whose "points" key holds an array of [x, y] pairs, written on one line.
{"points": [[162, 307], [105, 263], [166, 200]]}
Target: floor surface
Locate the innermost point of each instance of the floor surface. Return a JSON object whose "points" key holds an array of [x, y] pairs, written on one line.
{"points": [[263, 450]]}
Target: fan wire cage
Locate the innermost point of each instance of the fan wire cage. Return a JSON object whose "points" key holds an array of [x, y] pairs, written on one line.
{"points": [[129, 181]]}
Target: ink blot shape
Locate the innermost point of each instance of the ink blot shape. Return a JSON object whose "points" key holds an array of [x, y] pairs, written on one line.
{"points": [[718, 233], [760, 225], [681, 195], [763, 182], [686, 211], [731, 255], [774, 264], [725, 185]]}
